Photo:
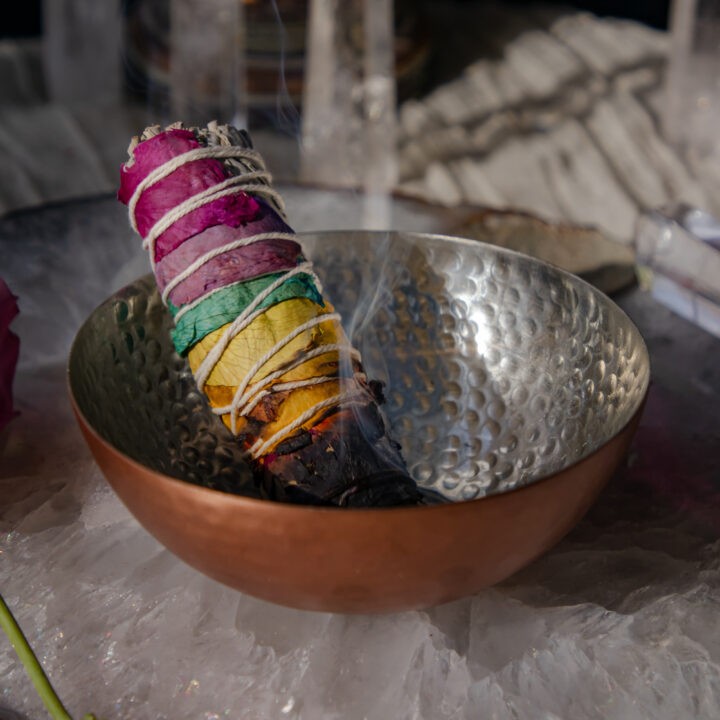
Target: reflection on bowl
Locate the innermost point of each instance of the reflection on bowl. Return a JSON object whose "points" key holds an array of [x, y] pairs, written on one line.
{"points": [[513, 387]]}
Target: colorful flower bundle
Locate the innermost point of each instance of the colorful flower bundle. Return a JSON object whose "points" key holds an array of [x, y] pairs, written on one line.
{"points": [[264, 344]]}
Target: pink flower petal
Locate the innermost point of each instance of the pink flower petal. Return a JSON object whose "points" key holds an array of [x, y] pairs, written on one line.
{"points": [[169, 192], [9, 350]]}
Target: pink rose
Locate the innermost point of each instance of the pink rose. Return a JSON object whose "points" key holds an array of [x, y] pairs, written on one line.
{"points": [[9, 348]]}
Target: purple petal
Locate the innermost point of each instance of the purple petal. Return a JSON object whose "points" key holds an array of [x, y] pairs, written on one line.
{"points": [[243, 263], [9, 350]]}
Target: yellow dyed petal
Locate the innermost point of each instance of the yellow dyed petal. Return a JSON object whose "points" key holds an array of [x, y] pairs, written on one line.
{"points": [[263, 334], [323, 365], [220, 395]]}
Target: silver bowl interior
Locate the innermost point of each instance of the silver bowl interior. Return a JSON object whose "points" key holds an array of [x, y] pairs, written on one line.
{"points": [[499, 369]]}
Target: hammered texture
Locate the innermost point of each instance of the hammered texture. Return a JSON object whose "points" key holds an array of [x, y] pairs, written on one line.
{"points": [[499, 369], [140, 396]]}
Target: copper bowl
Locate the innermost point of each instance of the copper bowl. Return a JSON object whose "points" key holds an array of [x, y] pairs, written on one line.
{"points": [[513, 387]]}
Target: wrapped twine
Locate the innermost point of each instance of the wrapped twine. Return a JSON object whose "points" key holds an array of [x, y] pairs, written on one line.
{"points": [[264, 344]]}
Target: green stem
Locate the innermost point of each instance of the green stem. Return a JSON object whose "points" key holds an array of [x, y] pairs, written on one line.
{"points": [[31, 663]]}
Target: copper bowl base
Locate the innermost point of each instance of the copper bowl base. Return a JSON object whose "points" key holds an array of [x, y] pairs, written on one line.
{"points": [[357, 561]]}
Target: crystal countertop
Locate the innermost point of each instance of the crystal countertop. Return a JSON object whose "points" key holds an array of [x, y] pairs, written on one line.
{"points": [[618, 621]]}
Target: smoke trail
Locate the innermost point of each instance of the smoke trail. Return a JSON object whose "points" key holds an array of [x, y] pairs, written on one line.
{"points": [[287, 116]]}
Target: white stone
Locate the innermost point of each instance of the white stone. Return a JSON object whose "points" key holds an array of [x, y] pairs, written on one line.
{"points": [[483, 86], [584, 185], [476, 186], [542, 62], [580, 33], [349, 130], [620, 145], [512, 87], [515, 170], [441, 185]]}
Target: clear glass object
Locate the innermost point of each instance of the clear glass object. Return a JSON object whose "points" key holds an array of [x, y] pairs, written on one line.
{"points": [[678, 256], [207, 70], [691, 116], [349, 110], [82, 50]]}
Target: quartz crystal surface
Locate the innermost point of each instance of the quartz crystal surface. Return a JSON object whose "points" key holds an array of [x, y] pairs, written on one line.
{"points": [[621, 620]]}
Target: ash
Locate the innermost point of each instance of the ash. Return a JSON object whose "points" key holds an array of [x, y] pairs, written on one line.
{"points": [[619, 621]]}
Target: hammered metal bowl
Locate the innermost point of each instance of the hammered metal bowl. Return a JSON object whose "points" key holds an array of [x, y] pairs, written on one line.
{"points": [[513, 387]]}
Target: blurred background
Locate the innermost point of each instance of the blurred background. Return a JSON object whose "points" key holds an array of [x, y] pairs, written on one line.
{"points": [[579, 112], [584, 133]]}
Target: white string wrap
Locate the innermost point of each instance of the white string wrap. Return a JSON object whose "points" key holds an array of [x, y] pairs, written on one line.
{"points": [[279, 387], [229, 186], [247, 395], [256, 391]]}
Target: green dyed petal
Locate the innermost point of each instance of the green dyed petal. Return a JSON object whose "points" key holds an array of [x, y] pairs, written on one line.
{"points": [[224, 305]]}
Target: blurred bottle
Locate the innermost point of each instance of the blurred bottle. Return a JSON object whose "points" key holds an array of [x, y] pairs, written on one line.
{"points": [[691, 116], [81, 50], [349, 102], [207, 75]]}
